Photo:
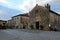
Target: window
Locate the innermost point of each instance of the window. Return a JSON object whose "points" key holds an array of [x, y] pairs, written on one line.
{"points": [[36, 11]]}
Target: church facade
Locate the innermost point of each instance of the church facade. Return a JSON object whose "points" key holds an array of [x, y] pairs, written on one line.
{"points": [[39, 17]]}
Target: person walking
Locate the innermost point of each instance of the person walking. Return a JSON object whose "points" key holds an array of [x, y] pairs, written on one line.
{"points": [[50, 27]]}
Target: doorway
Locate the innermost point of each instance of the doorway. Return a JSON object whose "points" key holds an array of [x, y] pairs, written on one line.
{"points": [[37, 25]]}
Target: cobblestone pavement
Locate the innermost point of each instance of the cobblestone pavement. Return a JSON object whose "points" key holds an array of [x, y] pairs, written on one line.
{"points": [[20, 34]]}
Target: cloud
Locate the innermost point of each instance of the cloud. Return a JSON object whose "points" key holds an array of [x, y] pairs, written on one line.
{"points": [[29, 4]]}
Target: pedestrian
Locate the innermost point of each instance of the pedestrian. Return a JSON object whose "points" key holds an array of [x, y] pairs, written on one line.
{"points": [[51, 29], [55, 29]]}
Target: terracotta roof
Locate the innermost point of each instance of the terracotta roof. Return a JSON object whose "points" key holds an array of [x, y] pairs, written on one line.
{"points": [[25, 14], [54, 12]]}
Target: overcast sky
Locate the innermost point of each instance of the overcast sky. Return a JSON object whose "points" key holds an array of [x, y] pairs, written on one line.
{"points": [[22, 6]]}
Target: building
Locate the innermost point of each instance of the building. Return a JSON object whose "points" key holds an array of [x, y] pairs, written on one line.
{"points": [[10, 23], [20, 21], [3, 24], [38, 18], [54, 19]]}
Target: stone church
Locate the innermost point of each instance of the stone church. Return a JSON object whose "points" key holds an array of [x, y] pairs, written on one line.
{"points": [[38, 18]]}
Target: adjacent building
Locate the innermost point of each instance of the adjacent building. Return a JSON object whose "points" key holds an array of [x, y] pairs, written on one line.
{"points": [[10, 23], [21, 20]]}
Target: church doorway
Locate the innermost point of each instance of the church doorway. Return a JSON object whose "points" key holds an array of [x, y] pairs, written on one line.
{"points": [[37, 25]]}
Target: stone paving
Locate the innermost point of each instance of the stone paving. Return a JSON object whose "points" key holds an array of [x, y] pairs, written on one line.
{"points": [[21, 34]]}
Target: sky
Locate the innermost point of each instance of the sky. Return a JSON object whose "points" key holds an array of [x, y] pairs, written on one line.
{"points": [[9, 8]]}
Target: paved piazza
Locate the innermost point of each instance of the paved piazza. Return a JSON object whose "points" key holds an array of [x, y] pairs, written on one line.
{"points": [[21, 34]]}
